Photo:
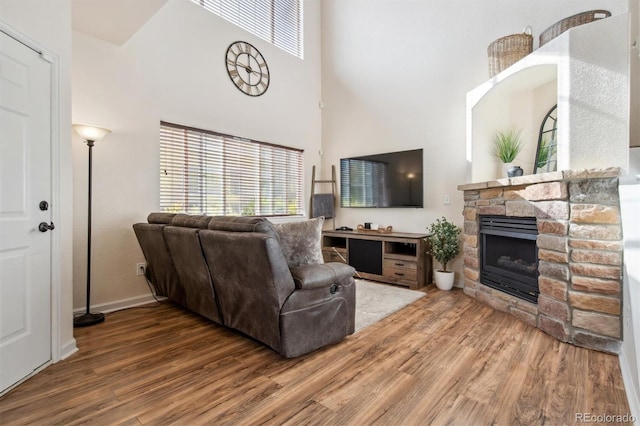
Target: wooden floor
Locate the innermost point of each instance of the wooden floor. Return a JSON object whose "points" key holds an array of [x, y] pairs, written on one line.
{"points": [[445, 359]]}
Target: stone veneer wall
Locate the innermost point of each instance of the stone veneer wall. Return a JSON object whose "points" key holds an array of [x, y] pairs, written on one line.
{"points": [[579, 252]]}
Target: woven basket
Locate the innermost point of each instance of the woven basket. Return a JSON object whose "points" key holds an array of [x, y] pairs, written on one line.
{"points": [[572, 21], [508, 50]]}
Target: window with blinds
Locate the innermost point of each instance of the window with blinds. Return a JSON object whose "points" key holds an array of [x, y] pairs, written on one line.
{"points": [[277, 21], [204, 172]]}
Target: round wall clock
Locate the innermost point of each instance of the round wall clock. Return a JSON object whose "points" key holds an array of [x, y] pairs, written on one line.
{"points": [[247, 68]]}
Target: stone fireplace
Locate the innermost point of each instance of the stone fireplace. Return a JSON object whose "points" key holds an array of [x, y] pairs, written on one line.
{"points": [[579, 252]]}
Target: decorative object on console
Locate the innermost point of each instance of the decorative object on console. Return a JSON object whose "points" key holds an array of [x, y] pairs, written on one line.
{"points": [[90, 135], [546, 158], [377, 230], [444, 239], [506, 146], [572, 21], [508, 50], [301, 241], [247, 68]]}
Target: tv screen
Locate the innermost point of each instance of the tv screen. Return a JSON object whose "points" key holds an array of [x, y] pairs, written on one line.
{"points": [[391, 179]]}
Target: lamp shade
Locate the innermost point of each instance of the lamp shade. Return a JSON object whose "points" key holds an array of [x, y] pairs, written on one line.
{"points": [[90, 133]]}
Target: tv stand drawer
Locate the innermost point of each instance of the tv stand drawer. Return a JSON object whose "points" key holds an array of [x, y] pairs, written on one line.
{"points": [[399, 264], [401, 274]]}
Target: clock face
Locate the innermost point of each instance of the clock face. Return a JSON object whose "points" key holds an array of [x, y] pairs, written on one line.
{"points": [[247, 68]]}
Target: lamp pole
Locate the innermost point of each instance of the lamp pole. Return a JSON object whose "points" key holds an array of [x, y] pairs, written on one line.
{"points": [[90, 135]]}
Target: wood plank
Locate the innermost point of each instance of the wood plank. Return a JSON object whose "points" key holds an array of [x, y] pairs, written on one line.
{"points": [[445, 359]]}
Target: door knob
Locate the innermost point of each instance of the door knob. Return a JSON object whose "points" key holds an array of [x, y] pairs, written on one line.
{"points": [[44, 227]]}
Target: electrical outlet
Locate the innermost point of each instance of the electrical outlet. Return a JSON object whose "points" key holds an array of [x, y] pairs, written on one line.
{"points": [[141, 268]]}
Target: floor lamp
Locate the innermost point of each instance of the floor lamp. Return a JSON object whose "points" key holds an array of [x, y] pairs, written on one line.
{"points": [[90, 135]]}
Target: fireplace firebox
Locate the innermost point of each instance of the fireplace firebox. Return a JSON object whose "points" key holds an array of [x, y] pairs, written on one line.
{"points": [[509, 255]]}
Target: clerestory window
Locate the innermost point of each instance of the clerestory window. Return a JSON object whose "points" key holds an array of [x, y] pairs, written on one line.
{"points": [[279, 22]]}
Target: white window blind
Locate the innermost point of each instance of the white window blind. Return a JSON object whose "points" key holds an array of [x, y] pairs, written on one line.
{"points": [[204, 172], [277, 21]]}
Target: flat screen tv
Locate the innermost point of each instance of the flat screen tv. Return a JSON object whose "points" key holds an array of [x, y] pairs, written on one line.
{"points": [[392, 179]]}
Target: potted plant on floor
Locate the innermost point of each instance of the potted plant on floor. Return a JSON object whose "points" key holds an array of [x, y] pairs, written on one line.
{"points": [[506, 147], [444, 245]]}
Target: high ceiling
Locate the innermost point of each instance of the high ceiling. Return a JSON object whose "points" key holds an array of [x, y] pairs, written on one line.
{"points": [[114, 21]]}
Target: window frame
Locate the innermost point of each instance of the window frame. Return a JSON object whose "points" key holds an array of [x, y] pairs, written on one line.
{"points": [[209, 179]]}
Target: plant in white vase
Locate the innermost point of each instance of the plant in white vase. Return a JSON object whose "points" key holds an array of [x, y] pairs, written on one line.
{"points": [[444, 246]]}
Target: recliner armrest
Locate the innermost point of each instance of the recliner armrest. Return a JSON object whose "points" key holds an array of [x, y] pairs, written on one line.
{"points": [[320, 275]]}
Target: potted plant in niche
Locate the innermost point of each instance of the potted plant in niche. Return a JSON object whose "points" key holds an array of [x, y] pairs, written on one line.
{"points": [[506, 147], [444, 245]]}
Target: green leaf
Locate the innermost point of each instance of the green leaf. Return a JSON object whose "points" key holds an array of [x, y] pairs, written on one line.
{"points": [[506, 145]]}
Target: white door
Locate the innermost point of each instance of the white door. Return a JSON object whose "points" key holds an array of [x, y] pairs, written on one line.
{"points": [[25, 176]]}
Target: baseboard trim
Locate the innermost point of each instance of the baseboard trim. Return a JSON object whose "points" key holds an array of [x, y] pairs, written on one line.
{"points": [[68, 349], [629, 386], [119, 305]]}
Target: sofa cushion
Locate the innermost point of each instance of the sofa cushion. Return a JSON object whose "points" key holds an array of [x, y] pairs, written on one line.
{"points": [[191, 221], [300, 241], [160, 218], [242, 224]]}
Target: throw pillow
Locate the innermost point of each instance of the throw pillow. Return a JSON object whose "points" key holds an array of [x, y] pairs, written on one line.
{"points": [[300, 241]]}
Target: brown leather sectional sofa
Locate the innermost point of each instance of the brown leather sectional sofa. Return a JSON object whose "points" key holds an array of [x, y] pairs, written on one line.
{"points": [[232, 271]]}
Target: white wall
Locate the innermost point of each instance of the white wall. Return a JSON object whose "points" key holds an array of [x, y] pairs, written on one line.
{"points": [[630, 205], [634, 70], [172, 69], [48, 24], [630, 353], [605, 144], [395, 76]]}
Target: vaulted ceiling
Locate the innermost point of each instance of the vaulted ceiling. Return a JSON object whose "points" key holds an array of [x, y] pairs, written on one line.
{"points": [[114, 21]]}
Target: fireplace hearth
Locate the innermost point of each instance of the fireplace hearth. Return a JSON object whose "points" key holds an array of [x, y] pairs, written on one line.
{"points": [[509, 255], [567, 279]]}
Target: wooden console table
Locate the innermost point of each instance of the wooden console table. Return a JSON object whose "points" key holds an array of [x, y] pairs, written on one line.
{"points": [[396, 258]]}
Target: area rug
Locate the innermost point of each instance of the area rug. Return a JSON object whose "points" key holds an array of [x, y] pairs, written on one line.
{"points": [[376, 301]]}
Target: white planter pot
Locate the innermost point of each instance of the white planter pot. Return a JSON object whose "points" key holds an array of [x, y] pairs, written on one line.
{"points": [[444, 280], [505, 169]]}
